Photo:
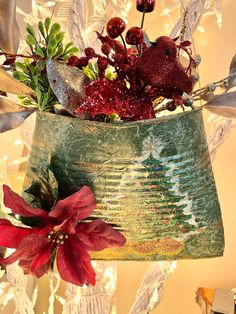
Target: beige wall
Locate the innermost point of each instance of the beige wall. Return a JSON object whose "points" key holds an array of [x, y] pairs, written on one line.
{"points": [[216, 48]]}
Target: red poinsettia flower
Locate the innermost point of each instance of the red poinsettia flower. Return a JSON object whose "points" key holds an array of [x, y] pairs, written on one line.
{"points": [[62, 232]]}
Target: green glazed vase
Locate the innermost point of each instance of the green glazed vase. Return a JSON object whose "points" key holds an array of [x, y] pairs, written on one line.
{"points": [[152, 179]]}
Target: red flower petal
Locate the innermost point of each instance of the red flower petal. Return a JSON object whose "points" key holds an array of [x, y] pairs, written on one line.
{"points": [[43, 269], [39, 272], [33, 244], [11, 236], [41, 262], [27, 249], [74, 264], [11, 258], [67, 225], [25, 265], [80, 205], [98, 235], [18, 206]]}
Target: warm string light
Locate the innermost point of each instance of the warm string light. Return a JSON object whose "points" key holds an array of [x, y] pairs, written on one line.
{"points": [[201, 29], [18, 142], [214, 9], [218, 12]]}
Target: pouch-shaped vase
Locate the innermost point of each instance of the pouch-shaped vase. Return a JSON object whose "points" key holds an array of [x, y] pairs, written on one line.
{"points": [[152, 179]]}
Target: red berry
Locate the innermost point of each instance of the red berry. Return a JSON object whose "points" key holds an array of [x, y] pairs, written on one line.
{"points": [[82, 62], [125, 67], [106, 48], [118, 58], [89, 52], [115, 27], [73, 61], [102, 63], [134, 36], [145, 5]]}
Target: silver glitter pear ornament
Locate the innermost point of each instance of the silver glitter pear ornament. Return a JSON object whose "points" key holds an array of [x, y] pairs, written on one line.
{"points": [[68, 83]]}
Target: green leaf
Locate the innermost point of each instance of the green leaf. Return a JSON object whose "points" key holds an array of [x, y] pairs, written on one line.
{"points": [[47, 23], [43, 193], [59, 52], [27, 102], [51, 51], [59, 37], [30, 30], [73, 51], [35, 80], [38, 93], [39, 52], [54, 29], [19, 76], [41, 65], [31, 41], [27, 61], [110, 74], [41, 28], [21, 66], [44, 101], [90, 72], [69, 45], [33, 69], [52, 43]]}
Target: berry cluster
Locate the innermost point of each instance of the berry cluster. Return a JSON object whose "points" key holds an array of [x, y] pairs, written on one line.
{"points": [[143, 71]]}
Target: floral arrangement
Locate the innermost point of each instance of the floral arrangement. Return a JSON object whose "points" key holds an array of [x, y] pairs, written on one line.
{"points": [[128, 80], [132, 79]]}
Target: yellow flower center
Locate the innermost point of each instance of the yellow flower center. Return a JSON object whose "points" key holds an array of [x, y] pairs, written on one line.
{"points": [[57, 237]]}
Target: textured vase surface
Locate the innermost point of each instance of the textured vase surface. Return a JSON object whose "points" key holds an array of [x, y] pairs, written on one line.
{"points": [[152, 179]]}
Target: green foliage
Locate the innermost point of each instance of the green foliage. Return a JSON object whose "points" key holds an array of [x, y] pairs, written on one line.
{"points": [[43, 192], [91, 71], [46, 43], [110, 74]]}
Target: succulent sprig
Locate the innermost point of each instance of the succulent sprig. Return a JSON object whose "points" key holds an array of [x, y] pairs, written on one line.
{"points": [[46, 42]]}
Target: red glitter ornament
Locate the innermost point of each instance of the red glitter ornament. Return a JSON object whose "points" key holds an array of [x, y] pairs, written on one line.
{"points": [[108, 97], [159, 67]]}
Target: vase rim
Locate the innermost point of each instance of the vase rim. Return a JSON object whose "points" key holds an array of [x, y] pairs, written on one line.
{"points": [[123, 123]]}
